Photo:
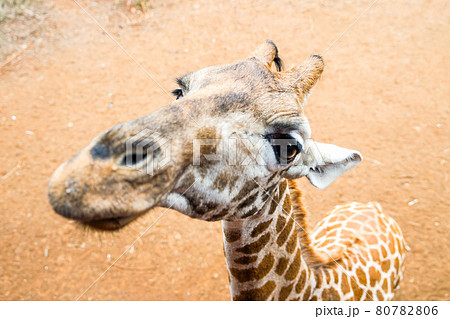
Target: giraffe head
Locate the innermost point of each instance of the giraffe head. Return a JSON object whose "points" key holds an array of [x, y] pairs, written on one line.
{"points": [[215, 153]]}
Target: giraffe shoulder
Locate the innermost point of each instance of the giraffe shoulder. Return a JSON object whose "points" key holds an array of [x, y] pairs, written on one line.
{"points": [[344, 227]]}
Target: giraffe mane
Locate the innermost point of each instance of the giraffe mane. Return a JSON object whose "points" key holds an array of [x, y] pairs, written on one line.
{"points": [[313, 257]]}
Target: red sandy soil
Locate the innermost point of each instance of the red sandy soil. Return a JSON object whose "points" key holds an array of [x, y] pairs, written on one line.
{"points": [[385, 92]]}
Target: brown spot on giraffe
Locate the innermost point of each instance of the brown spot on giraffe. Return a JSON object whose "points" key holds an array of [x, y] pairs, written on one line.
{"points": [[285, 291], [281, 221], [374, 276], [254, 273], [327, 276], [391, 243], [395, 228], [245, 190], [357, 291], [294, 268], [382, 225], [251, 212], [319, 279], [333, 220], [261, 293], [322, 233], [380, 296], [397, 282], [307, 293], [345, 285], [396, 264], [248, 201], [287, 205], [331, 234], [221, 213], [221, 181], [332, 227], [273, 205], [245, 260], [336, 277], [383, 251], [398, 243], [282, 189], [260, 228], [385, 284], [392, 280], [285, 232], [232, 235], [256, 246], [269, 181], [362, 278], [301, 282], [385, 265], [292, 243], [281, 265], [330, 294], [375, 254]]}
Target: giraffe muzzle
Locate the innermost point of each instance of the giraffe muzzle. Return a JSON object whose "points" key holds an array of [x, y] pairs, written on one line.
{"points": [[120, 175]]}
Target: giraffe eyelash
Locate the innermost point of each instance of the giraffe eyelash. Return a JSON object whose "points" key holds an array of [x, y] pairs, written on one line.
{"points": [[178, 93]]}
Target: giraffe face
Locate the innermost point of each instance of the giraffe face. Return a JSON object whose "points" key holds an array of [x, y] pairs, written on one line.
{"points": [[215, 153]]}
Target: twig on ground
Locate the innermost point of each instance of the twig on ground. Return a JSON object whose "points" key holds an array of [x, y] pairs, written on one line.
{"points": [[13, 57], [10, 172]]}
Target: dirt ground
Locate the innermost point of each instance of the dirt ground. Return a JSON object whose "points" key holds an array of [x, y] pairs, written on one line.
{"points": [[385, 92]]}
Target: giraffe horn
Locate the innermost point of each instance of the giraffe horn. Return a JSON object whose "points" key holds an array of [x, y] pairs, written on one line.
{"points": [[306, 75], [267, 53]]}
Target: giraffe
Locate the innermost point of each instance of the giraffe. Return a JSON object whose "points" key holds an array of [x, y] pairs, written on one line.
{"points": [[355, 253]]}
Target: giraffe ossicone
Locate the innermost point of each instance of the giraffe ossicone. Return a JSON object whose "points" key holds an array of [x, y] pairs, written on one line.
{"points": [[355, 253]]}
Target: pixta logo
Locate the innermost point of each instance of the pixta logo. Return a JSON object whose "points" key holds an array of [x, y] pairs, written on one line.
{"points": [[147, 151]]}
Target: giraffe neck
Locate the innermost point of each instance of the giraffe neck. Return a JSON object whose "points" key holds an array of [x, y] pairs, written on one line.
{"points": [[264, 252]]}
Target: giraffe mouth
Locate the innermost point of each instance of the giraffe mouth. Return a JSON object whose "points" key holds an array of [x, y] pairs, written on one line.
{"points": [[109, 224]]}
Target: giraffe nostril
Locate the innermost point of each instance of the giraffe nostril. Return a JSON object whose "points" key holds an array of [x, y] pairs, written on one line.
{"points": [[134, 158], [139, 152]]}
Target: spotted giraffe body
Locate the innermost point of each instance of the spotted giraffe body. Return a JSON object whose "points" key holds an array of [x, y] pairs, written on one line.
{"points": [[180, 157], [355, 253]]}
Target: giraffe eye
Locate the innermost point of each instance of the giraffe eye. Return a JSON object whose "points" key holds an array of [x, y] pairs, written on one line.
{"points": [[284, 146], [178, 93]]}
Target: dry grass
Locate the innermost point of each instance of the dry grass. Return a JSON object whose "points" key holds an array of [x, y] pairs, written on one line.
{"points": [[10, 9], [138, 5], [20, 24]]}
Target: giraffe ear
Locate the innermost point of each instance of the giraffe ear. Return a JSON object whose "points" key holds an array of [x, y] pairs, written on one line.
{"points": [[330, 162], [323, 163]]}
